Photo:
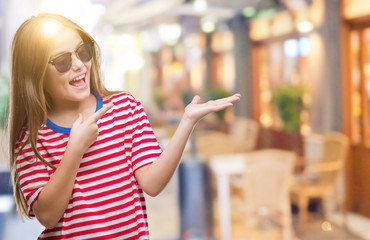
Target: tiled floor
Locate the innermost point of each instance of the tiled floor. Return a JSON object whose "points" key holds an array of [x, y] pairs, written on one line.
{"points": [[164, 223], [317, 229]]}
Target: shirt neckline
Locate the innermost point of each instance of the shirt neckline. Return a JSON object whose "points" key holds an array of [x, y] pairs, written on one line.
{"points": [[65, 130]]}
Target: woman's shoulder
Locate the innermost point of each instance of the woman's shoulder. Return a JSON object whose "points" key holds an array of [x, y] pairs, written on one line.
{"points": [[120, 97], [44, 132]]}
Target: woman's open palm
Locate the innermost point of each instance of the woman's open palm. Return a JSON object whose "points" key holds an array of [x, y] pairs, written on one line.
{"points": [[195, 111]]}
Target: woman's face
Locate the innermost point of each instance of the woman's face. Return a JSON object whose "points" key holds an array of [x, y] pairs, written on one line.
{"points": [[73, 85]]}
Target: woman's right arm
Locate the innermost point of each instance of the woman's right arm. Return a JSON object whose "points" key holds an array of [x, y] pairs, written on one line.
{"points": [[54, 197]]}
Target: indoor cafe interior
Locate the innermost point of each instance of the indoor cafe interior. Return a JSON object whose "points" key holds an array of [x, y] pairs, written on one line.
{"points": [[286, 162]]}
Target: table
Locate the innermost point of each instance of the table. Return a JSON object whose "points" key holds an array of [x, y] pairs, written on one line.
{"points": [[223, 166]]}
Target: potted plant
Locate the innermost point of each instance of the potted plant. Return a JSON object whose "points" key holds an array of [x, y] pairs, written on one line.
{"points": [[288, 99], [217, 93], [4, 96]]}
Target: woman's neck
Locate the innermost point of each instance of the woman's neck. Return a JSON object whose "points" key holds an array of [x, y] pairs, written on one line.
{"points": [[66, 114]]}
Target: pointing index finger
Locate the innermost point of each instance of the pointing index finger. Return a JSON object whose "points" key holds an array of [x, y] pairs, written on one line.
{"points": [[98, 114]]}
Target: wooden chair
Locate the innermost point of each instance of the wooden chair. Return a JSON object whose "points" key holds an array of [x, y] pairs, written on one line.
{"points": [[320, 178], [212, 143], [266, 183], [245, 131], [242, 138]]}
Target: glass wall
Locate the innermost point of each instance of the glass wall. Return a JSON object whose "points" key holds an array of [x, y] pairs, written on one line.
{"points": [[286, 50]]}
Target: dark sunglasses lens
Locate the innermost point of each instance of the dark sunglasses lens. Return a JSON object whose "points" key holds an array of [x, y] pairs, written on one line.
{"points": [[85, 52], [63, 63]]}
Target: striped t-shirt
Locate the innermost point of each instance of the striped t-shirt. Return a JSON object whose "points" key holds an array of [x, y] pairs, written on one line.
{"points": [[107, 202]]}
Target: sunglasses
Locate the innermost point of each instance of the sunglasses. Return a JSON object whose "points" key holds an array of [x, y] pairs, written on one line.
{"points": [[84, 52]]}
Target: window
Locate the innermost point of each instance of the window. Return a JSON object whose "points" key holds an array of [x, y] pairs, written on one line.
{"points": [[360, 85]]}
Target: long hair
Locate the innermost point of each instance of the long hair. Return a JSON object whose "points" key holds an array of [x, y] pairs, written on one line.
{"points": [[29, 103]]}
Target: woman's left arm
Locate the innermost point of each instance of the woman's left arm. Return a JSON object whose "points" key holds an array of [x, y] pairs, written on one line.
{"points": [[154, 177]]}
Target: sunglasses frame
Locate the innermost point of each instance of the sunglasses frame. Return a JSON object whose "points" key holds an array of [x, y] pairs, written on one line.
{"points": [[91, 42]]}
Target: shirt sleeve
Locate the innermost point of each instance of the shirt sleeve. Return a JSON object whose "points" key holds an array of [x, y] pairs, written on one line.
{"points": [[32, 174], [145, 147]]}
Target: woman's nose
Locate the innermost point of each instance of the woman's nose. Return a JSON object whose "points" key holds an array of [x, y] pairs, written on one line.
{"points": [[76, 62]]}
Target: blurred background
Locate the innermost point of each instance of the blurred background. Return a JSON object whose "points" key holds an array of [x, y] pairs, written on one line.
{"points": [[303, 70]]}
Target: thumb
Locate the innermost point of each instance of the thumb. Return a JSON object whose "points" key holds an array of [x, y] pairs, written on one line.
{"points": [[195, 100]]}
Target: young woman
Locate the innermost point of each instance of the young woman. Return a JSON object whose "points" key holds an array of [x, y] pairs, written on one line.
{"points": [[81, 156]]}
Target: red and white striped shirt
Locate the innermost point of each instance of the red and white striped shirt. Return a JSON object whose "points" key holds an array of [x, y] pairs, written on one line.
{"points": [[107, 202]]}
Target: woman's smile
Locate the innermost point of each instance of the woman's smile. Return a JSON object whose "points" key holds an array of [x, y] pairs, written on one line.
{"points": [[79, 82]]}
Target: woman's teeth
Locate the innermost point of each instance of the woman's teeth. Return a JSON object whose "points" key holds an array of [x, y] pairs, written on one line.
{"points": [[78, 82], [79, 78]]}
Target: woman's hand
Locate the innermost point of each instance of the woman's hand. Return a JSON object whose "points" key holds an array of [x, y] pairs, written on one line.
{"points": [[196, 111], [85, 132], [154, 177], [54, 198]]}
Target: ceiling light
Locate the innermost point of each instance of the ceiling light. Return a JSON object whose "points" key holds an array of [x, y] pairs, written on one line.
{"points": [[208, 24], [170, 33], [305, 26], [200, 5]]}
